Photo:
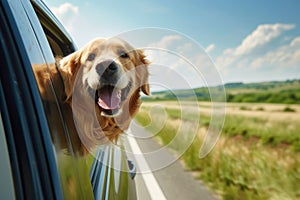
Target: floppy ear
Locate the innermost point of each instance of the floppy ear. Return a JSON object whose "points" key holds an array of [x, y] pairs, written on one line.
{"points": [[143, 72], [68, 68]]}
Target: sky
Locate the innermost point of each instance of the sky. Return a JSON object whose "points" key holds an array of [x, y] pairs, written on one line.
{"points": [[242, 41]]}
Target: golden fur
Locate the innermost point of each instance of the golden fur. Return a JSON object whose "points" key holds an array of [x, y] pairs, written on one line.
{"points": [[77, 77]]}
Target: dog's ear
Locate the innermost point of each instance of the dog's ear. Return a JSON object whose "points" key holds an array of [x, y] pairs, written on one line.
{"points": [[68, 67], [143, 72], [71, 63]]}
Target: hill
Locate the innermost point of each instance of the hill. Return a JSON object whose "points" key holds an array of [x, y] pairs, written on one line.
{"points": [[287, 92]]}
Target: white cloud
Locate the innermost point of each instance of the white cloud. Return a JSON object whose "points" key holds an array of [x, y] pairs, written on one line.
{"points": [[210, 48], [262, 35], [68, 14], [176, 54], [295, 42], [63, 9], [159, 50], [285, 56], [246, 55], [166, 41]]}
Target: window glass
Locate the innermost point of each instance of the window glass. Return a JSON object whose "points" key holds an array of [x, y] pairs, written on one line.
{"points": [[26, 31], [6, 183], [42, 46]]}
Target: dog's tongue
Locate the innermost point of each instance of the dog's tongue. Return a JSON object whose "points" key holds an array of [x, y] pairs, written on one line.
{"points": [[109, 98]]}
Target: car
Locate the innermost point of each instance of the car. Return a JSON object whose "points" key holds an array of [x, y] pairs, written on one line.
{"points": [[36, 163]]}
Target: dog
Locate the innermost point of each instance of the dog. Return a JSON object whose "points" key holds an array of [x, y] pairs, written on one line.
{"points": [[100, 93]]}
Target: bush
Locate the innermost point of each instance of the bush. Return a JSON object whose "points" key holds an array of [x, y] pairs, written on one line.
{"points": [[288, 109], [260, 109], [245, 108]]}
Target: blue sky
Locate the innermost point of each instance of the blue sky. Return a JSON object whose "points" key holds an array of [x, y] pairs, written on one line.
{"points": [[248, 41]]}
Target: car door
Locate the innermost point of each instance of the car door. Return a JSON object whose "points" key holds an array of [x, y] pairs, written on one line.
{"points": [[32, 171], [73, 172]]}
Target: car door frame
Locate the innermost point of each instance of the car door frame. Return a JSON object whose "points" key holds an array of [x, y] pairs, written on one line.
{"points": [[32, 159]]}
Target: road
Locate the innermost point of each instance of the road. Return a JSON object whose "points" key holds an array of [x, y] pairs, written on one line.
{"points": [[159, 174]]}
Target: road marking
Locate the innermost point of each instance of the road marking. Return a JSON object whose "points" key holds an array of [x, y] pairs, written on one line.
{"points": [[149, 179]]}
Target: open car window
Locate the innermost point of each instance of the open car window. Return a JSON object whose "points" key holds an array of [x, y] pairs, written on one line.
{"points": [[44, 41]]}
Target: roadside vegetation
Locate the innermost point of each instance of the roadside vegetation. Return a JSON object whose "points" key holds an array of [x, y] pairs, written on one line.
{"points": [[256, 157]]}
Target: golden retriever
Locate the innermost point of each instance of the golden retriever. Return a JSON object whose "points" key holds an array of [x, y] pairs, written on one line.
{"points": [[102, 84]]}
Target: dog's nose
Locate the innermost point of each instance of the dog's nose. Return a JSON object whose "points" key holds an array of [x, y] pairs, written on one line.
{"points": [[113, 67], [107, 67]]}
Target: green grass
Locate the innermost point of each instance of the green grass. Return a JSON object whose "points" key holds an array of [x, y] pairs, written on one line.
{"points": [[73, 172], [291, 96], [269, 92], [242, 171], [267, 131], [255, 157]]}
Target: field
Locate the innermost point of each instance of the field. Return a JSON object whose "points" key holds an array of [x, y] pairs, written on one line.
{"points": [[286, 92], [256, 157]]}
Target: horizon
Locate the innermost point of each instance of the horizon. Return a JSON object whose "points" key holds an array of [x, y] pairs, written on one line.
{"points": [[244, 83]]}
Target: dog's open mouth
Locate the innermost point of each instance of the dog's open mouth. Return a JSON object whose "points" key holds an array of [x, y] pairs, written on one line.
{"points": [[110, 99]]}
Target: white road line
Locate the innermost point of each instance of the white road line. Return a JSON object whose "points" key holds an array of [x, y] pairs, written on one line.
{"points": [[149, 179]]}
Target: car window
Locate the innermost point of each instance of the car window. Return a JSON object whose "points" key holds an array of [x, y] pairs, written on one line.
{"points": [[6, 183], [43, 41], [117, 184]]}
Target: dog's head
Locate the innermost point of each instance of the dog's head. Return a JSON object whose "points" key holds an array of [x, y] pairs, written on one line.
{"points": [[111, 73]]}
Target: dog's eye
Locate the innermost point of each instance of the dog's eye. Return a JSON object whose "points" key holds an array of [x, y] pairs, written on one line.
{"points": [[123, 54], [91, 57]]}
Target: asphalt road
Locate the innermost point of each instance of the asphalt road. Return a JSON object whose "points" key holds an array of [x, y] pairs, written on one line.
{"points": [[159, 174]]}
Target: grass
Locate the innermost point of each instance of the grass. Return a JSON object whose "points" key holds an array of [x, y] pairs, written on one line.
{"points": [[269, 92], [244, 108], [272, 132], [256, 157], [242, 170], [288, 109], [73, 172]]}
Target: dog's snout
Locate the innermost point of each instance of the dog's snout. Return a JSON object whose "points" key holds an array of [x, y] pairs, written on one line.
{"points": [[113, 67], [107, 67]]}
